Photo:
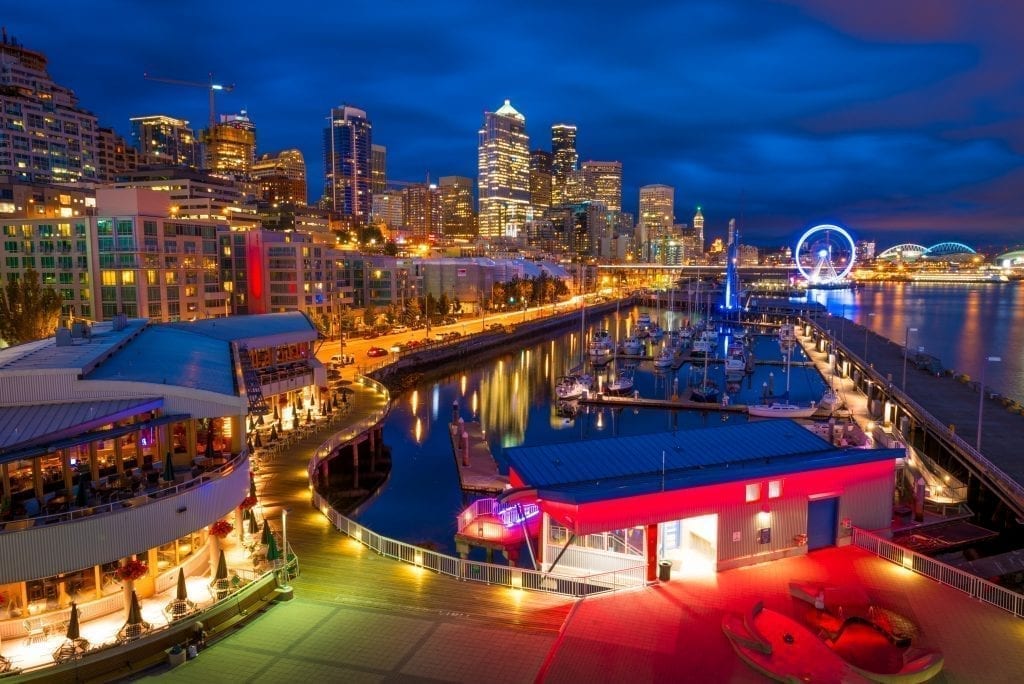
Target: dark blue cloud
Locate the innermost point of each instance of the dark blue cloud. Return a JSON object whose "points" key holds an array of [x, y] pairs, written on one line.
{"points": [[890, 119]]}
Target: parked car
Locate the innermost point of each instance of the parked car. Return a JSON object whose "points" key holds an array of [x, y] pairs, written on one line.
{"points": [[376, 351], [399, 329], [397, 348]]}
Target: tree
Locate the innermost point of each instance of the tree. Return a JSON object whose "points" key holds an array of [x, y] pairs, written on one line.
{"points": [[413, 310], [498, 296], [370, 314], [525, 289], [443, 305], [28, 310]]}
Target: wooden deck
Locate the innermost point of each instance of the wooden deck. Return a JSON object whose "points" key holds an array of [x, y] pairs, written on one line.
{"points": [[478, 472], [609, 400], [340, 571]]}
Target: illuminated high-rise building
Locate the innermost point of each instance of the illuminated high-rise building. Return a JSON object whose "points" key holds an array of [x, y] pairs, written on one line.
{"points": [[165, 141], [657, 215], [504, 173], [46, 137], [457, 216], [348, 142], [421, 203], [114, 156], [540, 180], [603, 183], [378, 169], [698, 230], [281, 178], [564, 160], [230, 145]]}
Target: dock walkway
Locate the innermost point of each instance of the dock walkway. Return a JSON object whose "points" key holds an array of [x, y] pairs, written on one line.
{"points": [[478, 471]]}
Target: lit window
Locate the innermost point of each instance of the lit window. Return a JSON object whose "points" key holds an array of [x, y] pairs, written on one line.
{"points": [[774, 489], [753, 491]]}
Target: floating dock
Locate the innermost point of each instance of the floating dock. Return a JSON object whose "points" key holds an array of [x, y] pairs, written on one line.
{"points": [[640, 402], [478, 471]]}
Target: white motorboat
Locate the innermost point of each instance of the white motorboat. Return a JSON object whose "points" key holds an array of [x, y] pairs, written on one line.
{"points": [[830, 400], [601, 349], [665, 358], [571, 387], [782, 409], [632, 346], [736, 361], [621, 383]]}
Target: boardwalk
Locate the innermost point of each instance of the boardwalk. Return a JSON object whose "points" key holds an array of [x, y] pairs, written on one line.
{"points": [[478, 471], [360, 617]]}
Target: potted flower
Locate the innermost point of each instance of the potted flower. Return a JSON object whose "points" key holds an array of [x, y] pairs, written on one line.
{"points": [[131, 571], [247, 503], [221, 529]]}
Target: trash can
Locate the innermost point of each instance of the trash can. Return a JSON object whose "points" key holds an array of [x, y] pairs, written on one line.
{"points": [[664, 570]]}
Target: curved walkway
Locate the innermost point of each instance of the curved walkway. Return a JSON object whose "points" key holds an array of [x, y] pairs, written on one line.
{"points": [[359, 617]]}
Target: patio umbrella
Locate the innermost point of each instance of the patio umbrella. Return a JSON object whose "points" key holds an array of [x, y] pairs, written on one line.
{"points": [[168, 475], [273, 433], [252, 485], [323, 408], [182, 591], [74, 646], [267, 536], [134, 627], [343, 382], [251, 423], [222, 567], [259, 420], [249, 445], [259, 441], [254, 529], [309, 415], [276, 415], [82, 496], [273, 553], [209, 439]]}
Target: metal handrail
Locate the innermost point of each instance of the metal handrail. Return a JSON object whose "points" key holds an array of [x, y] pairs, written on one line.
{"points": [[339, 439], [972, 585], [112, 506], [1010, 488]]}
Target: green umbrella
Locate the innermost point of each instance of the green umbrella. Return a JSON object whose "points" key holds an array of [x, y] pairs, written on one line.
{"points": [[267, 536], [252, 485], [254, 529], [134, 611], [259, 420], [309, 415], [273, 433], [259, 441], [222, 567], [74, 646], [273, 553], [182, 594], [168, 468]]}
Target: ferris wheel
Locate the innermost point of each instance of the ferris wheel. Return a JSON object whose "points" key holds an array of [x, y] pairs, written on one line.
{"points": [[825, 255]]}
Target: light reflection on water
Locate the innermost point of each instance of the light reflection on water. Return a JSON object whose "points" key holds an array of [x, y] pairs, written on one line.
{"points": [[961, 324], [513, 398]]}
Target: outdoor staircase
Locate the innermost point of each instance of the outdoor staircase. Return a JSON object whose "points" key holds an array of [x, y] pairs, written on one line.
{"points": [[253, 387]]}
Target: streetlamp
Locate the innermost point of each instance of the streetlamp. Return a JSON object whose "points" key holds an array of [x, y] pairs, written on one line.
{"points": [[284, 543], [870, 316], [981, 397], [906, 345]]}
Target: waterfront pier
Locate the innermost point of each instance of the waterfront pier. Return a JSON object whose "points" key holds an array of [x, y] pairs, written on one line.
{"points": [[936, 413], [478, 471]]}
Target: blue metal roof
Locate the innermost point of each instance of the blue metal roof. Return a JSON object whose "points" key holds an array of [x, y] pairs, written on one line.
{"points": [[628, 466], [25, 425], [197, 354]]}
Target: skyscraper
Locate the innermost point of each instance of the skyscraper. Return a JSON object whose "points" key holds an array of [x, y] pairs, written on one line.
{"points": [[504, 173], [47, 138], [230, 145], [657, 214], [114, 155], [421, 204], [378, 169], [165, 141], [698, 230], [564, 160], [457, 217], [540, 180], [281, 177], [347, 150], [603, 182]]}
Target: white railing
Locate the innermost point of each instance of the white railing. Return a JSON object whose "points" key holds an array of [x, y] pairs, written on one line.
{"points": [[339, 439], [973, 586], [488, 573]]}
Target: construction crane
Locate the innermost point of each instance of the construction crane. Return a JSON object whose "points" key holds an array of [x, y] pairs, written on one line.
{"points": [[211, 86]]}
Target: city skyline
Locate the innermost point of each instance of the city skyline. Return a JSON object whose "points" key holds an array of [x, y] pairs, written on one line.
{"points": [[897, 123]]}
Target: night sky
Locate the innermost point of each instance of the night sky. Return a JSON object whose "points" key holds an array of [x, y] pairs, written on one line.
{"points": [[901, 119]]}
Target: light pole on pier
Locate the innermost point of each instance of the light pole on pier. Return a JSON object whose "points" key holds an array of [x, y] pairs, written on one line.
{"points": [[981, 397], [906, 345]]}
